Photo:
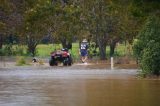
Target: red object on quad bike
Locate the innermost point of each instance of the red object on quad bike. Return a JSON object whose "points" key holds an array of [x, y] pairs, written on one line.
{"points": [[62, 55]]}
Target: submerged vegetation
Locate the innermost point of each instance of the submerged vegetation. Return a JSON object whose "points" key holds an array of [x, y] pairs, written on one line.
{"points": [[21, 61]]}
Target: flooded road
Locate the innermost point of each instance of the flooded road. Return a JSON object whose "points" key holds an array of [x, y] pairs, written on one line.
{"points": [[76, 86]]}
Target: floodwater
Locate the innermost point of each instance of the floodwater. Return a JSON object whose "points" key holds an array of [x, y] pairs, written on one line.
{"points": [[75, 86]]}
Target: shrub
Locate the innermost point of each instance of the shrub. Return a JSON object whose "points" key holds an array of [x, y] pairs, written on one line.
{"points": [[8, 50], [13, 50], [19, 50], [150, 62], [147, 47], [1, 52], [20, 61]]}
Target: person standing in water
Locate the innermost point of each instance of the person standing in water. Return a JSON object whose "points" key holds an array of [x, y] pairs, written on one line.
{"points": [[84, 51]]}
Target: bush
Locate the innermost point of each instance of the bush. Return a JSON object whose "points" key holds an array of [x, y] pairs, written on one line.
{"points": [[1, 52], [8, 50], [147, 47], [14, 50], [19, 51], [150, 61], [20, 61]]}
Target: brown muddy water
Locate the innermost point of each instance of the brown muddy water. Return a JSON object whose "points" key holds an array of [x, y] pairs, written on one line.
{"points": [[76, 86]]}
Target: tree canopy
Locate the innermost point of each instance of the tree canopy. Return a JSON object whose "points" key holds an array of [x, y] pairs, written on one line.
{"points": [[104, 22]]}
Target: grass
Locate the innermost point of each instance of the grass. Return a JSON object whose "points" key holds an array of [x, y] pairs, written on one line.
{"points": [[44, 50]]}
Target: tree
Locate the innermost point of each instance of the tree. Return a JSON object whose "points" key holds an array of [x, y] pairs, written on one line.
{"points": [[35, 23], [104, 20], [66, 23], [116, 24], [53, 18], [11, 19], [4, 9], [146, 47], [2, 28], [94, 18]]}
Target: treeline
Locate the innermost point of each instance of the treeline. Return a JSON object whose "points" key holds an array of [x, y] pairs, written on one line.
{"points": [[104, 22]]}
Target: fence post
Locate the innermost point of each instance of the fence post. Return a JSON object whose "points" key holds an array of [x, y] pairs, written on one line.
{"points": [[112, 63]]}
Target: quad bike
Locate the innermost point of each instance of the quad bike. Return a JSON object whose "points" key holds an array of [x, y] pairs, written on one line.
{"points": [[62, 56]]}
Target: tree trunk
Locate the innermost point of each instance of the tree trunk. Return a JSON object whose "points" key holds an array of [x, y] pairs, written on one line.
{"points": [[102, 48], [32, 49], [112, 48], [69, 45], [32, 44], [1, 41], [64, 43]]}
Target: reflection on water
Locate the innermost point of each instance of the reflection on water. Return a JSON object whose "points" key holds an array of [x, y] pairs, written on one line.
{"points": [[78, 92]]}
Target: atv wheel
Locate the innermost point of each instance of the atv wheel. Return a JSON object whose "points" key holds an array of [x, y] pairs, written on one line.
{"points": [[65, 62], [53, 63]]}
